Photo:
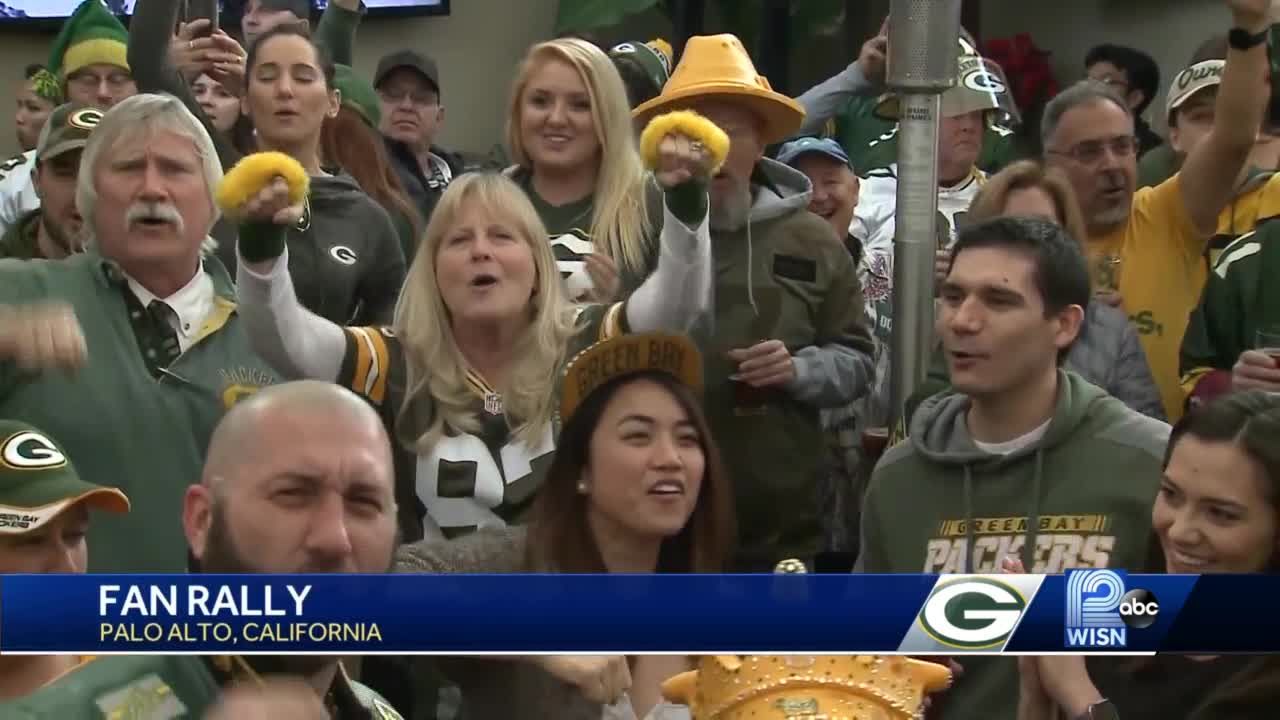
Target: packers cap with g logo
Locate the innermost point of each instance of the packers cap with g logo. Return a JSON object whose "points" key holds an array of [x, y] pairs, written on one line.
{"points": [[38, 481], [68, 128], [621, 355]]}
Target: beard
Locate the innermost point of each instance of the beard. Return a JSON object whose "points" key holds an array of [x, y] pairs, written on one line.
{"points": [[221, 556], [731, 209]]}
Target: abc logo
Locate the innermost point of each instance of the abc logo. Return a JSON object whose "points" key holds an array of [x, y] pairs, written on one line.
{"points": [[972, 614], [1139, 608]]}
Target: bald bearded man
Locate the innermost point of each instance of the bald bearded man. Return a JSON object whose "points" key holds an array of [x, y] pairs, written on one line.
{"points": [[298, 479]]}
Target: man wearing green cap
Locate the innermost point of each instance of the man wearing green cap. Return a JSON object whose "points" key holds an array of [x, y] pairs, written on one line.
{"points": [[44, 513], [89, 56], [52, 230]]}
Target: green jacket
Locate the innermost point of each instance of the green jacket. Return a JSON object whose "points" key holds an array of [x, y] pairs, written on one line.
{"points": [[1241, 296], [1079, 497], [120, 426], [1157, 165], [19, 241], [873, 142], [787, 277], [166, 686]]}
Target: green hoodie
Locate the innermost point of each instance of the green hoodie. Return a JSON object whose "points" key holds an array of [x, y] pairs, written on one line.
{"points": [[1080, 496]]}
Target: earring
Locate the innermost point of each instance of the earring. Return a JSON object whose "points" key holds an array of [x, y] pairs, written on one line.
{"points": [[582, 487]]}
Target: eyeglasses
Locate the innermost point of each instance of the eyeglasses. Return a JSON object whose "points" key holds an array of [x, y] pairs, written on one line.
{"points": [[1110, 82], [420, 98], [1091, 152], [91, 81]]}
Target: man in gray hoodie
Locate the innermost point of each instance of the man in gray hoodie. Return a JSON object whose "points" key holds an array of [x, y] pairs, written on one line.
{"points": [[789, 337], [1023, 459]]}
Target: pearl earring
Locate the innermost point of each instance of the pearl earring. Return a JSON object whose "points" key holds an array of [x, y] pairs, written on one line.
{"points": [[582, 487]]}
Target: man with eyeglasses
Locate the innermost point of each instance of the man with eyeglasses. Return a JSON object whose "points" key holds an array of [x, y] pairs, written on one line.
{"points": [[1150, 246], [408, 85], [1135, 77]]}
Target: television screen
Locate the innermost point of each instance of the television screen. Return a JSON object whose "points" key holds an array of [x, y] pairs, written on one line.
{"points": [[58, 9]]}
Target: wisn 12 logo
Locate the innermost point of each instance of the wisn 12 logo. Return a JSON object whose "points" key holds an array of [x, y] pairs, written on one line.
{"points": [[1100, 611]]}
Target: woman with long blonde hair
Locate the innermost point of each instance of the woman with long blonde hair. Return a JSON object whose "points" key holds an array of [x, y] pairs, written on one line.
{"points": [[466, 379], [570, 132], [1107, 353]]}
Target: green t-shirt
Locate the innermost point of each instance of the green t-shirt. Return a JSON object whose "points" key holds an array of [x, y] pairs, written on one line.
{"points": [[872, 142]]}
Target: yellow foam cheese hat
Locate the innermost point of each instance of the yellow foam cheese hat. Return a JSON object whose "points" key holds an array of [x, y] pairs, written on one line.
{"points": [[718, 66], [831, 687]]}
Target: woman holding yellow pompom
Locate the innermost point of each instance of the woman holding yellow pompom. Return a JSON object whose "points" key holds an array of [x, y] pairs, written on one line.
{"points": [[573, 140], [466, 378]]}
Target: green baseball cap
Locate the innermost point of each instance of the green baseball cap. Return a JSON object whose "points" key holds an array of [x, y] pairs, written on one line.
{"points": [[68, 128], [357, 94], [38, 481]]}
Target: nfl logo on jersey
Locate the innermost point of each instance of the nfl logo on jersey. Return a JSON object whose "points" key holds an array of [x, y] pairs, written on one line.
{"points": [[493, 403]]}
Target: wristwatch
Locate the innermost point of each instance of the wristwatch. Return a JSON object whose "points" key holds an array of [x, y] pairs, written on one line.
{"points": [[1241, 39], [1103, 710]]}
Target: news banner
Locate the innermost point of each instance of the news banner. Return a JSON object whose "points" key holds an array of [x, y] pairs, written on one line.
{"points": [[1084, 611]]}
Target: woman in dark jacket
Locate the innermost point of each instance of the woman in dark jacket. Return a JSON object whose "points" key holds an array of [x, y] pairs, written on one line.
{"points": [[636, 486], [344, 255]]}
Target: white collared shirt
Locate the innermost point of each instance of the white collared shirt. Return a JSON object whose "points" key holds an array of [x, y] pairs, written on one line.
{"points": [[191, 305]]}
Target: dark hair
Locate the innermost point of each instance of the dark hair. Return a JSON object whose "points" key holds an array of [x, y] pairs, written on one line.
{"points": [[290, 30], [1251, 420], [348, 142], [1061, 274], [1139, 68], [31, 70], [560, 539]]}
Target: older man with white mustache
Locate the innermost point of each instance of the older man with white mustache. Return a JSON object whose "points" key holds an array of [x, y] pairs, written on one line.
{"points": [[131, 351]]}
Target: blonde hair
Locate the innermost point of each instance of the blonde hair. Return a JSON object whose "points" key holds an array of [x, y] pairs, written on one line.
{"points": [[991, 200], [436, 367], [620, 222]]}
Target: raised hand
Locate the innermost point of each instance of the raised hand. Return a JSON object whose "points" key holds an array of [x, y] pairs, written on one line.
{"points": [[680, 159], [274, 700], [42, 336], [271, 204]]}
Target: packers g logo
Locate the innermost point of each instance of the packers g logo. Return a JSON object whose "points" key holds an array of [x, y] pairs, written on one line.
{"points": [[972, 613], [28, 450], [343, 254], [236, 393], [984, 81], [86, 119]]}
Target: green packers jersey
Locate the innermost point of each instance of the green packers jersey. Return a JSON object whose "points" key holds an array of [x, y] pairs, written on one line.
{"points": [[872, 142], [467, 479], [1240, 297]]}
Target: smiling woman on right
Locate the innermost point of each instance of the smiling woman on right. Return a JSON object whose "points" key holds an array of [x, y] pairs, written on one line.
{"points": [[1218, 511]]}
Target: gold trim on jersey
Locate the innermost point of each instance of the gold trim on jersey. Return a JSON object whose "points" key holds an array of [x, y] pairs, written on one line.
{"points": [[373, 359], [492, 398]]}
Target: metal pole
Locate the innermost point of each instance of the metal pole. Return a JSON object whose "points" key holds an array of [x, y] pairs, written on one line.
{"points": [[916, 221], [923, 42]]}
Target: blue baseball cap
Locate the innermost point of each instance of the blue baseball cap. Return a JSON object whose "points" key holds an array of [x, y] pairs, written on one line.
{"points": [[790, 152]]}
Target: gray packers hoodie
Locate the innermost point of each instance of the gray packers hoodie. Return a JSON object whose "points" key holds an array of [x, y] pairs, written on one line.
{"points": [[1080, 497]]}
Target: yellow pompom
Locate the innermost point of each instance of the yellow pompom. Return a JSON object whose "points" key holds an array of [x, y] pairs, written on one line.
{"points": [[691, 125], [254, 172]]}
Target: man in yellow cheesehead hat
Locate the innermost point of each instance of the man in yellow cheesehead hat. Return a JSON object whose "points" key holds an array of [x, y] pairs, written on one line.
{"points": [[789, 336], [89, 57]]}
